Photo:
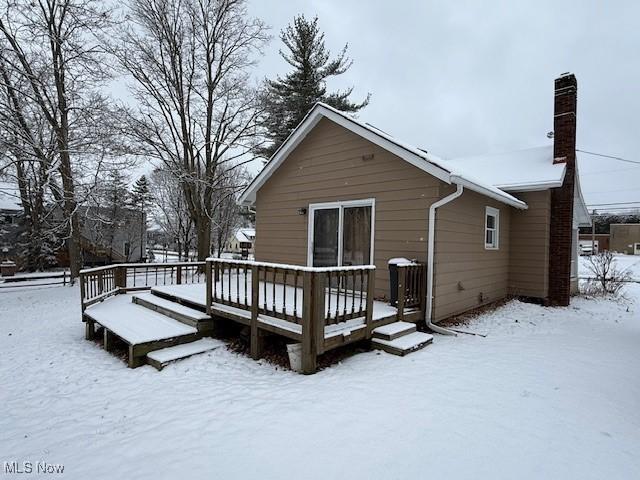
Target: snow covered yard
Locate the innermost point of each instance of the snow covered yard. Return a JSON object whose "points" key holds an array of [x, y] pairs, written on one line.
{"points": [[548, 393]]}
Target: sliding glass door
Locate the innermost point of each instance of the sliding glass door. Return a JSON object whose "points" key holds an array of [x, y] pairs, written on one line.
{"points": [[325, 237], [341, 233]]}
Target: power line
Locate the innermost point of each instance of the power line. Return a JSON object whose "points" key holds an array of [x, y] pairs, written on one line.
{"points": [[615, 203], [609, 156]]}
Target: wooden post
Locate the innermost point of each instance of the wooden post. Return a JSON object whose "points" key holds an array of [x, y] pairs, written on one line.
{"points": [[108, 339], [423, 289], [179, 273], [402, 279], [120, 277], [371, 288], [89, 329], [319, 314], [100, 282], [83, 288], [308, 307], [209, 285], [256, 338]]}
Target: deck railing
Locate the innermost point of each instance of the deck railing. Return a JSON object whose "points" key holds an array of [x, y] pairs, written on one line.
{"points": [[98, 283], [310, 298], [412, 282]]}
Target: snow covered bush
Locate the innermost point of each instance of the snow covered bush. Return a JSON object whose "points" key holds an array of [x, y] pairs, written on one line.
{"points": [[607, 278]]}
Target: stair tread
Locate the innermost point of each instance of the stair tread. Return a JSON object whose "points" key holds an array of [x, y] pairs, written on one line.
{"points": [[173, 306], [394, 329], [406, 342], [170, 354], [134, 323]]}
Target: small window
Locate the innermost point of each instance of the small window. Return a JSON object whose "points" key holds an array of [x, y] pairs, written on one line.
{"points": [[127, 249], [491, 228]]}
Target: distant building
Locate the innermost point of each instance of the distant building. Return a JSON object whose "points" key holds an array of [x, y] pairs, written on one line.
{"points": [[101, 241], [242, 242], [625, 238], [10, 211]]}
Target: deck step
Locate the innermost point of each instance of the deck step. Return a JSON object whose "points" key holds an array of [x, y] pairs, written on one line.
{"points": [[404, 344], [161, 358], [394, 330], [135, 324], [171, 309]]}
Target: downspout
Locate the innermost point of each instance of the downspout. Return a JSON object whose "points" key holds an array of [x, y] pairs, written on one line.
{"points": [[430, 254]]}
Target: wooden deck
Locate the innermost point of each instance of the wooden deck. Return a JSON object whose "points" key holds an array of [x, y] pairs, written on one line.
{"points": [[322, 308]]}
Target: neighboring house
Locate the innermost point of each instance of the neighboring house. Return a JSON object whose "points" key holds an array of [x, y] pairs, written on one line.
{"points": [[601, 242], [104, 243], [10, 211], [341, 192], [625, 238], [242, 241]]}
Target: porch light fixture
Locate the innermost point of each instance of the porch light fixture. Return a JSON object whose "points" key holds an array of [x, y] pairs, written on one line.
{"points": [[302, 211]]}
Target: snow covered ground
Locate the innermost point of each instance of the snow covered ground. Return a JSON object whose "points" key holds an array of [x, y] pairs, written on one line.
{"points": [[548, 393]]}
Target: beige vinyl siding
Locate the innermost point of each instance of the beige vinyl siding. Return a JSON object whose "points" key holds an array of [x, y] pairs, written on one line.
{"points": [[330, 165], [529, 263], [466, 274]]}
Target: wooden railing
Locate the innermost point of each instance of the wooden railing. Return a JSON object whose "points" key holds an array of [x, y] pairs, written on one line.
{"points": [[412, 285], [98, 283], [307, 297]]}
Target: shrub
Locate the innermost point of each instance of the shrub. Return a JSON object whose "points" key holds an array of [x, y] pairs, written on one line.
{"points": [[607, 278]]}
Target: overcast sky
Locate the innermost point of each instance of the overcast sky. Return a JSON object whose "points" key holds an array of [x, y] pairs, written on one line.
{"points": [[463, 78]]}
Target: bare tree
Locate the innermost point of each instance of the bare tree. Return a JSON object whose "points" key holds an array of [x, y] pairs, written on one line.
{"points": [[170, 211], [50, 50], [198, 114], [227, 216]]}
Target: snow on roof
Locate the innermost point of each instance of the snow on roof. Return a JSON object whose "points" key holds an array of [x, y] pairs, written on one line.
{"points": [[521, 170], [245, 234], [413, 155], [9, 197]]}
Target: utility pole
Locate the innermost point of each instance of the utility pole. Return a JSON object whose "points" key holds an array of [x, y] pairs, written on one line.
{"points": [[593, 232]]}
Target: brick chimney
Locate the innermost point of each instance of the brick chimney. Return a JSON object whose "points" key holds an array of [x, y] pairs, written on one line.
{"points": [[564, 151]]}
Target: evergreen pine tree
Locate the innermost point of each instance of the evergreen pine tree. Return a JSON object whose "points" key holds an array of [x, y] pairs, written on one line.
{"points": [[112, 200], [287, 100], [140, 200]]}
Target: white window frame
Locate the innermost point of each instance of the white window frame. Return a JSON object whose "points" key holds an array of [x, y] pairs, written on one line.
{"points": [[495, 213], [367, 202]]}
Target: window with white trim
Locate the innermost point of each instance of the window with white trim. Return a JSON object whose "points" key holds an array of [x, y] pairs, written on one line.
{"points": [[491, 228]]}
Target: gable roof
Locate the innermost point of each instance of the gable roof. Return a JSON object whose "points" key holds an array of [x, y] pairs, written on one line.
{"points": [[245, 234], [419, 158]]}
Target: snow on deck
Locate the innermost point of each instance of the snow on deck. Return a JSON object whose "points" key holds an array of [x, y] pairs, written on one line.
{"points": [[196, 293], [133, 323]]}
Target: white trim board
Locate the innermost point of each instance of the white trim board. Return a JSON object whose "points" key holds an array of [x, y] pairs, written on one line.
{"points": [[416, 157]]}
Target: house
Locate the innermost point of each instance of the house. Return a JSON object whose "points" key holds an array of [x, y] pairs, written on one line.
{"points": [[625, 238], [341, 192], [101, 241], [242, 242], [105, 241], [340, 206], [10, 211]]}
